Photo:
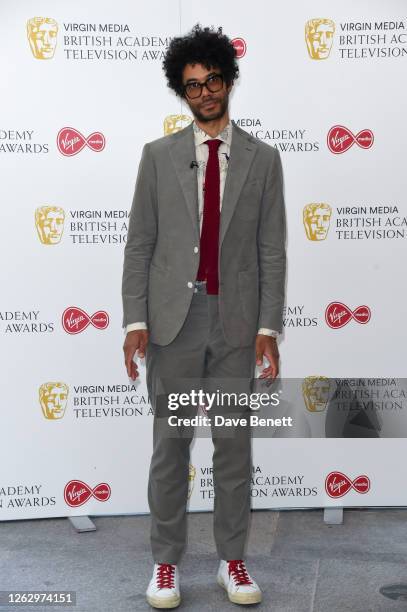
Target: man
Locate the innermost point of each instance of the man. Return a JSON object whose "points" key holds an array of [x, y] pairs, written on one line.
{"points": [[203, 293]]}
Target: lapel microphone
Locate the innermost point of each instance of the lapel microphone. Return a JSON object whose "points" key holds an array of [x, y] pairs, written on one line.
{"points": [[193, 164]]}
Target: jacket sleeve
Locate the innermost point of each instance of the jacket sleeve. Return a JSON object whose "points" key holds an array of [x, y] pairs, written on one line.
{"points": [[141, 239], [271, 237]]}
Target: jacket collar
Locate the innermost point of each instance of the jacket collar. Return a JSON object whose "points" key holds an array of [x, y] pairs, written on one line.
{"points": [[200, 136]]}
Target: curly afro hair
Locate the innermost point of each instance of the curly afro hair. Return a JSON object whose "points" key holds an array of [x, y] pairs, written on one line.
{"points": [[205, 46]]}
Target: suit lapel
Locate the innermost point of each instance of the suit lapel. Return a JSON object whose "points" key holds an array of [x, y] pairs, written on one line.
{"points": [[182, 151], [242, 151]]}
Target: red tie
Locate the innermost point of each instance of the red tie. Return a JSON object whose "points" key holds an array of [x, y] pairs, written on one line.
{"points": [[208, 263]]}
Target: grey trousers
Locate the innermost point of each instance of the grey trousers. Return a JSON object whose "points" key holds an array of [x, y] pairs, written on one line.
{"points": [[199, 353]]}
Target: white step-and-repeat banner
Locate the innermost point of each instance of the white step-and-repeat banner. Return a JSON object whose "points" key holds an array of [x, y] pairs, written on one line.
{"points": [[82, 90]]}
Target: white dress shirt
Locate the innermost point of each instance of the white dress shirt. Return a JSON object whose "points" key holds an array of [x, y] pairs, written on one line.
{"points": [[202, 153]]}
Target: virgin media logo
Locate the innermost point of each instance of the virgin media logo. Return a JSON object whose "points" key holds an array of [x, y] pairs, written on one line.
{"points": [[338, 484], [77, 493], [71, 142], [240, 47], [340, 139], [75, 320], [338, 315]]}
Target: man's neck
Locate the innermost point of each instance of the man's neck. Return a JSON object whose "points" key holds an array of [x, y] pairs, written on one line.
{"points": [[213, 128]]}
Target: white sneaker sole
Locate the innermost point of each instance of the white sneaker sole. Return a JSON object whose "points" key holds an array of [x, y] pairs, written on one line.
{"points": [[164, 602], [241, 598]]}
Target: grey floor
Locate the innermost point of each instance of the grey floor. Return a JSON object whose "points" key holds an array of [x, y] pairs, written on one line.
{"points": [[300, 563]]}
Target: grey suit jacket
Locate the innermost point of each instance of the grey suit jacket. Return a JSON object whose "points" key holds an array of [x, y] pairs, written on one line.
{"points": [[161, 259]]}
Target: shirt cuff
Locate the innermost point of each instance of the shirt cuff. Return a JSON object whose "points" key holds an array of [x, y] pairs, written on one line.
{"points": [[133, 326], [268, 332]]}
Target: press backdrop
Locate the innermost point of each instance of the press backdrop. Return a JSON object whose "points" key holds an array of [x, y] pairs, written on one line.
{"points": [[82, 90]]}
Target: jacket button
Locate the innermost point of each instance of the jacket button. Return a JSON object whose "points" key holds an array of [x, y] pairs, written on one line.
{"points": [[196, 249], [190, 285]]}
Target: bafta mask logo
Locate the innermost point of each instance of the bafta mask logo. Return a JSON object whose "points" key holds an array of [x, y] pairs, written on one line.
{"points": [[53, 398], [42, 35], [191, 479], [316, 391], [316, 218], [176, 123], [49, 221], [319, 35]]}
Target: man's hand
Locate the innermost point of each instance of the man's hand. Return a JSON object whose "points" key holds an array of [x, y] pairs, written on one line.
{"points": [[135, 341], [266, 346]]}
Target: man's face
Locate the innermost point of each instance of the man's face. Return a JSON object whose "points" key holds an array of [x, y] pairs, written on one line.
{"points": [[209, 106]]}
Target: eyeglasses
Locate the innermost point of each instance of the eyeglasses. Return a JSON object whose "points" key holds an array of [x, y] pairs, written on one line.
{"points": [[213, 84]]}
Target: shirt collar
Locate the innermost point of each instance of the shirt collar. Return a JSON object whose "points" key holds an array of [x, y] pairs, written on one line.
{"points": [[200, 135]]}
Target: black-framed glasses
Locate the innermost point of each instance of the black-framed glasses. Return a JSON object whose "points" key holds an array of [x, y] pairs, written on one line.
{"points": [[213, 84]]}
